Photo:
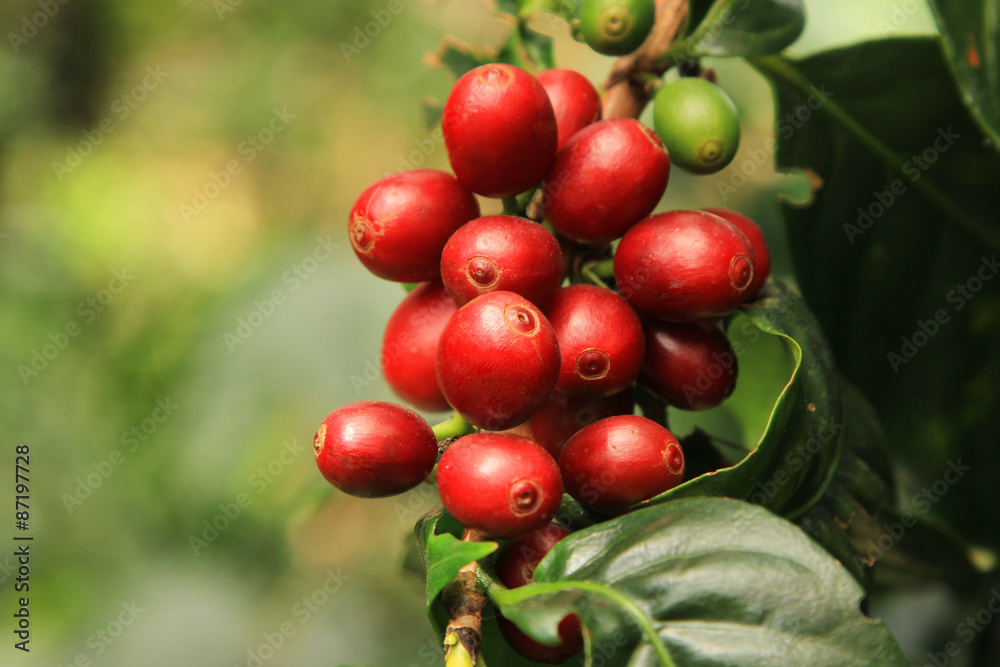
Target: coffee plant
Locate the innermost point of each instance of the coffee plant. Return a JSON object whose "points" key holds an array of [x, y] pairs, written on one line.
{"points": [[574, 526]]}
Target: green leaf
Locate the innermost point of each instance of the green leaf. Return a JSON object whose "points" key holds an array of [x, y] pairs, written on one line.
{"points": [[801, 444], [528, 49], [432, 111], [857, 523], [524, 48], [896, 253], [711, 582], [457, 57], [444, 554], [971, 41], [507, 6], [742, 28]]}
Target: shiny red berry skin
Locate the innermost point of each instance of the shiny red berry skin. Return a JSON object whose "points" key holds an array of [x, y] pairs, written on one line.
{"points": [[498, 360], [600, 338], [409, 346], [499, 485], [502, 252], [684, 266], [757, 241], [569, 632], [515, 566], [574, 98], [620, 461], [500, 130], [373, 449], [608, 176], [563, 415], [516, 560], [691, 365], [399, 224]]}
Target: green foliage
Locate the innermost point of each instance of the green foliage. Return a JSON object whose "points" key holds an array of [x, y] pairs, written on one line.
{"points": [[968, 36], [443, 553], [901, 230], [741, 28], [718, 581], [805, 429]]}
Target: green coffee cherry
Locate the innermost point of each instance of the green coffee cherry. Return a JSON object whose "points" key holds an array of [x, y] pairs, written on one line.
{"points": [[698, 124], [616, 27]]}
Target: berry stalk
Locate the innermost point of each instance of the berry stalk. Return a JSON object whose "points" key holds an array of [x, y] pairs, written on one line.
{"points": [[464, 599], [453, 427], [627, 94]]}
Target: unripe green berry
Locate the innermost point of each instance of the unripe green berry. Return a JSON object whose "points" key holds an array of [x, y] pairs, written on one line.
{"points": [[698, 123], [616, 27]]}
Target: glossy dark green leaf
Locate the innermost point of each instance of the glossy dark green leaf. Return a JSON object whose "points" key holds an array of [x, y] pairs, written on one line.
{"points": [[788, 468], [444, 554], [970, 36], [742, 28], [710, 582], [858, 523], [897, 252]]}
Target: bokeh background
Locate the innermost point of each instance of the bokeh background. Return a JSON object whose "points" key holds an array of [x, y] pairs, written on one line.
{"points": [[180, 308]]}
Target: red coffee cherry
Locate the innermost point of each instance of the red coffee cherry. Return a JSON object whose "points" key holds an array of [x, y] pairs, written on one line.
{"points": [[497, 360], [515, 566], [569, 632], [574, 98], [691, 365], [399, 225], [600, 340], [409, 345], [373, 449], [499, 485], [684, 266], [516, 560], [502, 252], [757, 241], [563, 415], [619, 461], [608, 176], [500, 130]]}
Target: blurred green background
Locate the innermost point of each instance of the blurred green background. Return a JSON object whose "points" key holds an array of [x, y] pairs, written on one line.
{"points": [[180, 308]]}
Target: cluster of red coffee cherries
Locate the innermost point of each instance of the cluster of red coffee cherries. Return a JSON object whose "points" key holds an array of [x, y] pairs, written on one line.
{"points": [[543, 370]]}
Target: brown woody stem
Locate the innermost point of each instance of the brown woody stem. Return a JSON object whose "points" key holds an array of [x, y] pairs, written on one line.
{"points": [[627, 93], [464, 600]]}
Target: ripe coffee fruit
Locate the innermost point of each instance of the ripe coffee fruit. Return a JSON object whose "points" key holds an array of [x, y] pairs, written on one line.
{"points": [[684, 266], [620, 461], [515, 566], [373, 449], [516, 560], [409, 345], [699, 124], [497, 360], [499, 485], [757, 241], [563, 415], [607, 177], [575, 101], [502, 252], [600, 338], [569, 633], [691, 365], [500, 130], [616, 27], [399, 224]]}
